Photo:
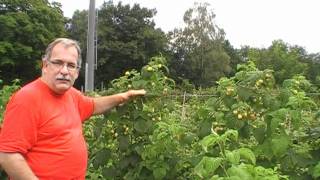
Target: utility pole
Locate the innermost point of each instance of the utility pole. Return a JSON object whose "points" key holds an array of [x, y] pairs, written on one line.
{"points": [[89, 75]]}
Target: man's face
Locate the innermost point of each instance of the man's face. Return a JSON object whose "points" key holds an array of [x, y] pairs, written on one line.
{"points": [[60, 71]]}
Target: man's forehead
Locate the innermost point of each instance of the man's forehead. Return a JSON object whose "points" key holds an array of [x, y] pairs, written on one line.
{"points": [[64, 50], [64, 46]]}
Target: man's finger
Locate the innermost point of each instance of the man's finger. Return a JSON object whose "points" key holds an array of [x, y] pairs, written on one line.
{"points": [[137, 92]]}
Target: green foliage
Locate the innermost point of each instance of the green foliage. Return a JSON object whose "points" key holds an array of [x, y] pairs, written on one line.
{"points": [[5, 94], [285, 60], [207, 166], [144, 131], [316, 171], [76, 28], [250, 172], [235, 57], [26, 28], [156, 137], [232, 163], [313, 68], [127, 39], [214, 139], [198, 49], [277, 117], [245, 128]]}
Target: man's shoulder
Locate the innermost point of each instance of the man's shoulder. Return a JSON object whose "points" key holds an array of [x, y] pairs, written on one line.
{"points": [[29, 92], [75, 92]]}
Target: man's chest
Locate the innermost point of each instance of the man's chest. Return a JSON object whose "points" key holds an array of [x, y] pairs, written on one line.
{"points": [[59, 118]]}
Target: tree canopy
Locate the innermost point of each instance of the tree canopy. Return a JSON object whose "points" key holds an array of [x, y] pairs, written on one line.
{"points": [[26, 28], [126, 38], [285, 60], [198, 49]]}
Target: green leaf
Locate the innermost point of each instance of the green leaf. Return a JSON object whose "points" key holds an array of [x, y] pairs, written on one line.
{"points": [[280, 144], [139, 84], [247, 154], [215, 177], [109, 172], [296, 118], [244, 92], [101, 157], [124, 163], [159, 172], [229, 101], [270, 102], [123, 143], [233, 178], [205, 128], [113, 116], [259, 134], [316, 171], [140, 114], [239, 171], [207, 166], [265, 174], [142, 126], [230, 135], [188, 138], [146, 74], [265, 150], [233, 157], [98, 128], [122, 110], [208, 141], [274, 124]]}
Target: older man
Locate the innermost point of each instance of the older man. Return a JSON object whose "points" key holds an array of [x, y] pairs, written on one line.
{"points": [[42, 137]]}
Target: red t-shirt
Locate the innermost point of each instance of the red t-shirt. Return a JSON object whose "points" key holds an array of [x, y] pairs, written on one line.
{"points": [[46, 129]]}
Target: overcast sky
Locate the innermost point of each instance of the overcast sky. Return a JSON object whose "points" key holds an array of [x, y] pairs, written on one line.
{"points": [[246, 22]]}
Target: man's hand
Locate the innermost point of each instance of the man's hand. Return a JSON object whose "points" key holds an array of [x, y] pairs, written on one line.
{"points": [[126, 96], [105, 103]]}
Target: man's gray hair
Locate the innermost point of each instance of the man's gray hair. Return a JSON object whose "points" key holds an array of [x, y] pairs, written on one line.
{"points": [[67, 43]]}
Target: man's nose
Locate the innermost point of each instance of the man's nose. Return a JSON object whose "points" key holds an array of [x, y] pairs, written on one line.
{"points": [[64, 69]]}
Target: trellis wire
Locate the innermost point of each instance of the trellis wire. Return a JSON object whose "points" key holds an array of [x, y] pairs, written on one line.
{"points": [[182, 95], [185, 95], [200, 95]]}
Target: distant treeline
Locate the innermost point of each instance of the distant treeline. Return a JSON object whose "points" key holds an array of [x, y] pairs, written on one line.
{"points": [[127, 38]]}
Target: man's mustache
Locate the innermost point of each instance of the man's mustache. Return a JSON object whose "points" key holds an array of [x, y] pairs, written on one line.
{"points": [[63, 79]]}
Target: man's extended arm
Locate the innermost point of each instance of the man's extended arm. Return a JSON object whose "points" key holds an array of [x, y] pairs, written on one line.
{"points": [[105, 103], [16, 166]]}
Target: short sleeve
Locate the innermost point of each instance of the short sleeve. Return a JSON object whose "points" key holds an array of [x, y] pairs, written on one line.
{"points": [[85, 105], [19, 128]]}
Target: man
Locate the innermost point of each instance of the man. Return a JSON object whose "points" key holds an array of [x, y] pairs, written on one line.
{"points": [[42, 137]]}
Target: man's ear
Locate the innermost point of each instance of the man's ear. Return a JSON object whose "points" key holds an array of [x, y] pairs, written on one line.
{"points": [[77, 74], [44, 64]]}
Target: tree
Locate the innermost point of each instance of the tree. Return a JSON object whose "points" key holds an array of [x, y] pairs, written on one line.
{"points": [[198, 48], [285, 60], [235, 57], [126, 38], [313, 74], [26, 28], [77, 28]]}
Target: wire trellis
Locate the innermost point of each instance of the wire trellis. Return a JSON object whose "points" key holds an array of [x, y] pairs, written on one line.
{"points": [[185, 95]]}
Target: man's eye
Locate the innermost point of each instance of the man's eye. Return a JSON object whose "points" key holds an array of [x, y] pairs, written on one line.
{"points": [[57, 63], [72, 66]]}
